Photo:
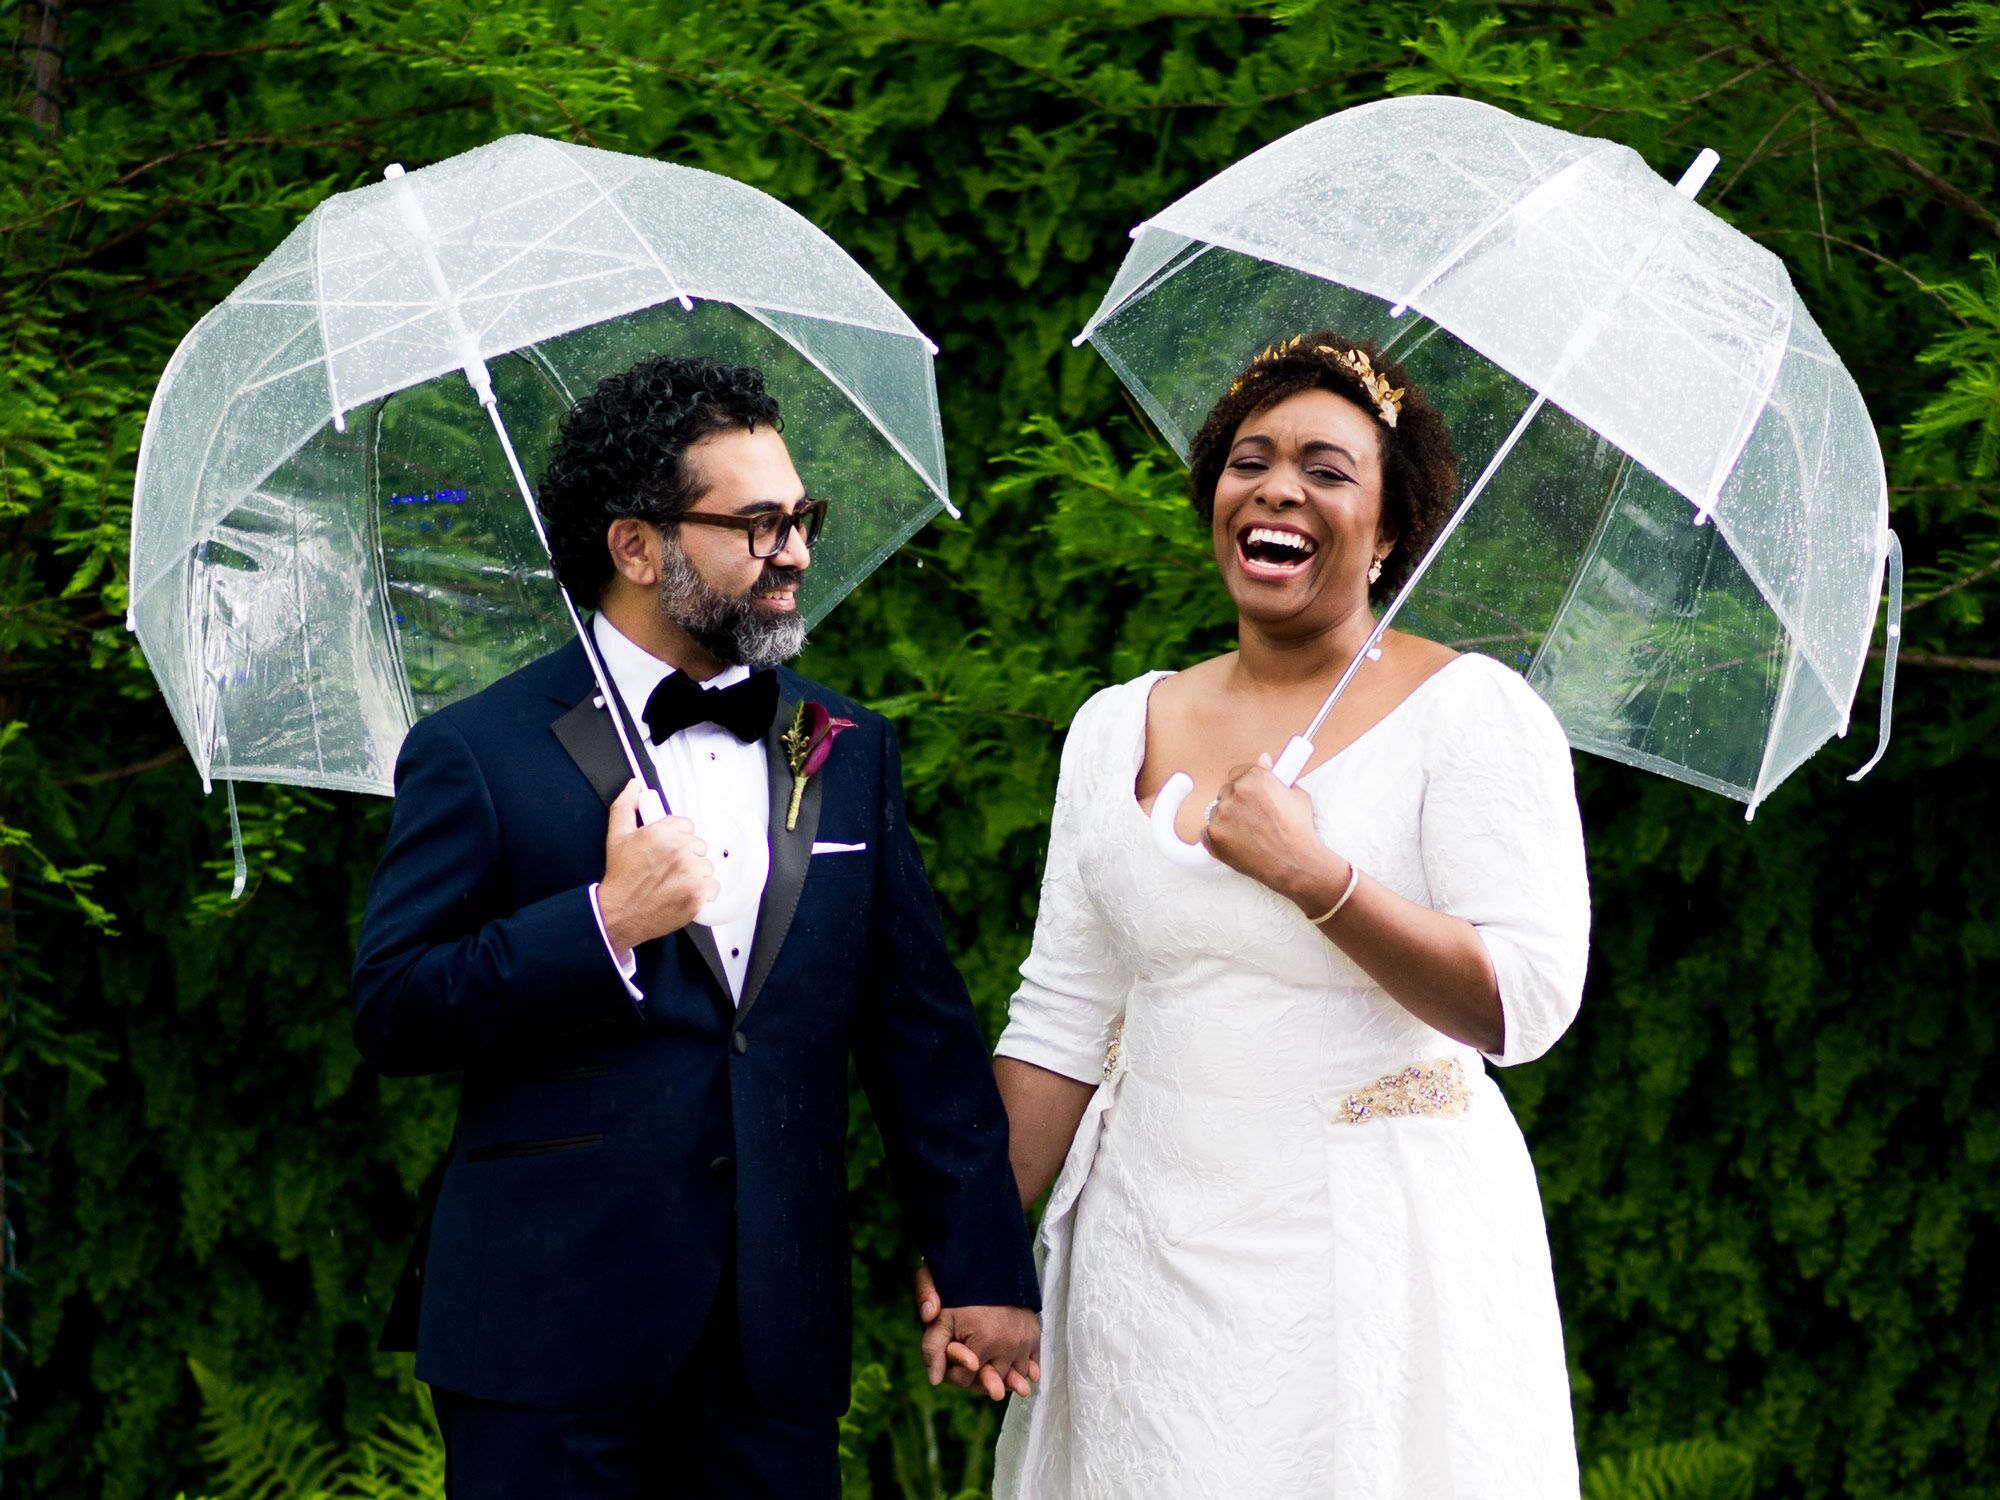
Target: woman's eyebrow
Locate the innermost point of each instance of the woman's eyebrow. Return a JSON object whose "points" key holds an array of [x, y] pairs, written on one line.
{"points": [[1321, 445]]}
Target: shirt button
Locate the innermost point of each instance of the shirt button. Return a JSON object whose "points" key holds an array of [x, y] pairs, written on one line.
{"points": [[733, 952], [711, 755]]}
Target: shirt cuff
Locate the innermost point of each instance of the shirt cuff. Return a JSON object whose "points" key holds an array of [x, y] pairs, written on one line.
{"points": [[626, 962]]}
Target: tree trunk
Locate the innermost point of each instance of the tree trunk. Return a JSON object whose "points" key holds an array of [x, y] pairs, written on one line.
{"points": [[39, 49]]}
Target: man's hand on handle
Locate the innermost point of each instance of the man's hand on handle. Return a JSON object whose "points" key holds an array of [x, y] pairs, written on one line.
{"points": [[655, 878], [996, 1348]]}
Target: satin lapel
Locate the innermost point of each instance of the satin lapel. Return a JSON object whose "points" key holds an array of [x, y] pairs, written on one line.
{"points": [[790, 854], [586, 733]]}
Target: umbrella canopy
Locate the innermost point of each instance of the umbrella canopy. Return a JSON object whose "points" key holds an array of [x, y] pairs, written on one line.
{"points": [[1614, 362], [328, 537]]}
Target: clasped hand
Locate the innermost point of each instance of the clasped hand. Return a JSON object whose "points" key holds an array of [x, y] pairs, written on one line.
{"points": [[655, 878], [996, 1348], [1264, 829]]}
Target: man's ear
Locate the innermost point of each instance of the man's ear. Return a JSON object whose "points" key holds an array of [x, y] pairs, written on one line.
{"points": [[635, 551]]}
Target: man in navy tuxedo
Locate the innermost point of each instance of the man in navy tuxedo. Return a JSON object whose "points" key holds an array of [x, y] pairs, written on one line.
{"points": [[634, 1278]]}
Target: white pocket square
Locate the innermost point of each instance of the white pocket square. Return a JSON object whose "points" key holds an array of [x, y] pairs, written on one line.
{"points": [[838, 848]]}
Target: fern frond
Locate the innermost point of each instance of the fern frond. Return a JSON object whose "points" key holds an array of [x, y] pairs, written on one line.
{"points": [[1700, 1468], [259, 1448], [398, 1461]]}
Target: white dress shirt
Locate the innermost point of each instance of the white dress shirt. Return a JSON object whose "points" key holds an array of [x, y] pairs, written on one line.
{"points": [[709, 776]]}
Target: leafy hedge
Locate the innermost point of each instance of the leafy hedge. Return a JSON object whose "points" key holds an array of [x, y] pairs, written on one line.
{"points": [[1768, 1150]]}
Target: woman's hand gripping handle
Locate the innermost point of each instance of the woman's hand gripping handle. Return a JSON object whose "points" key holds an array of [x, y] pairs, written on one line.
{"points": [[1167, 806]]}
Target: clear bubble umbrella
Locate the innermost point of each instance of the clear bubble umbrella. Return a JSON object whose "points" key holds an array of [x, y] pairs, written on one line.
{"points": [[333, 530], [1676, 525]]}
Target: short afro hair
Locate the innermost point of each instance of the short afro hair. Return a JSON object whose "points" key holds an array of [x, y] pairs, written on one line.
{"points": [[622, 454], [1419, 464]]}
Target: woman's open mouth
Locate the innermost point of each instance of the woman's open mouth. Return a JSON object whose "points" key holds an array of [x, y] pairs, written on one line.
{"points": [[1274, 552]]}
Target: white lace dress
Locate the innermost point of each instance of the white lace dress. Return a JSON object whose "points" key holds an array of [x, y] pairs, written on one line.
{"points": [[1248, 1292]]}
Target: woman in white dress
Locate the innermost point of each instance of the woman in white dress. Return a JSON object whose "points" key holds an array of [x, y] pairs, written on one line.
{"points": [[1296, 1247]]}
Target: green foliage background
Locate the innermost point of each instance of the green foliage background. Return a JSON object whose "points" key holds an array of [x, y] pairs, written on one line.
{"points": [[1769, 1148]]}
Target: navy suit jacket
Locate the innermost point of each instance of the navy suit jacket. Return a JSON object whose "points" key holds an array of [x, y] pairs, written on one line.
{"points": [[603, 1148]]}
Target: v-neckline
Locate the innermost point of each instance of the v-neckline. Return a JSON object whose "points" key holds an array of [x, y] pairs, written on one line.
{"points": [[1146, 714]]}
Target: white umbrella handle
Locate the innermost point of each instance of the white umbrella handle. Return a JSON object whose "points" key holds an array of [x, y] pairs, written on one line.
{"points": [[1167, 806], [733, 901]]}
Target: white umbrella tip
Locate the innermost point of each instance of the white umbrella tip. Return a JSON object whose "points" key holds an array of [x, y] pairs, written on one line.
{"points": [[393, 170], [1697, 175]]}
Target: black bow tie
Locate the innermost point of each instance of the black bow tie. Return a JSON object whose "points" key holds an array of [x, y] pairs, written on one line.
{"points": [[745, 709]]}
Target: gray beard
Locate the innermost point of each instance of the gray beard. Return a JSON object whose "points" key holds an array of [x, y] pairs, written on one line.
{"points": [[729, 629]]}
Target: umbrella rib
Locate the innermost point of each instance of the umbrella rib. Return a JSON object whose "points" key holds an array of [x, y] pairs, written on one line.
{"points": [[528, 247], [332, 302], [517, 292], [332, 380], [362, 251], [305, 644], [673, 285], [429, 309], [207, 451], [1458, 252], [465, 224], [860, 406], [305, 327]]}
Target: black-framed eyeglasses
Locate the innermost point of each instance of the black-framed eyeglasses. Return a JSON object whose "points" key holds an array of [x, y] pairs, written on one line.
{"points": [[768, 531]]}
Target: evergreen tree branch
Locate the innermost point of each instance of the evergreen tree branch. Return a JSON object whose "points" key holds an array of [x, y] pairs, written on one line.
{"points": [[1964, 202]]}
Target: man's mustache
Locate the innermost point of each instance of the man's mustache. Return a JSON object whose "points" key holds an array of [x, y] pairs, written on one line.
{"points": [[776, 578]]}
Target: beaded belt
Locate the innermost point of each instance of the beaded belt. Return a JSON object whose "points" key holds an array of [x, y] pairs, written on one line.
{"points": [[1430, 1088]]}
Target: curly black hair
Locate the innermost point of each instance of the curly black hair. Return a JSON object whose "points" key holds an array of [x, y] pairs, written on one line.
{"points": [[1419, 464], [622, 450]]}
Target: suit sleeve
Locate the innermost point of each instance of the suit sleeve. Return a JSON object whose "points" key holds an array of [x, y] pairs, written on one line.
{"points": [[443, 974], [923, 1061]]}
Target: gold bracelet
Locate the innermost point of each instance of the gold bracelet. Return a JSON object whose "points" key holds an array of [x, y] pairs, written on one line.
{"points": [[1353, 879]]}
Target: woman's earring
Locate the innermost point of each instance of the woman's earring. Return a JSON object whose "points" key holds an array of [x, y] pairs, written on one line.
{"points": [[1375, 570]]}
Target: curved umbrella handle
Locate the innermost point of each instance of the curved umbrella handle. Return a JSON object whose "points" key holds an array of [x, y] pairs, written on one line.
{"points": [[1167, 806], [734, 900], [1167, 838]]}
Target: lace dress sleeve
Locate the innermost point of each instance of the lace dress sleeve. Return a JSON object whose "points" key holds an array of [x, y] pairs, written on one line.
{"points": [[1503, 848], [1074, 981]]}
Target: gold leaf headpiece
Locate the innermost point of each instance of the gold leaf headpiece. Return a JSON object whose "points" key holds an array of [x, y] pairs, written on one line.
{"points": [[1388, 399]]}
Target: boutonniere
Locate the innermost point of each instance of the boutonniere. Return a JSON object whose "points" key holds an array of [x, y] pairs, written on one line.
{"points": [[807, 745]]}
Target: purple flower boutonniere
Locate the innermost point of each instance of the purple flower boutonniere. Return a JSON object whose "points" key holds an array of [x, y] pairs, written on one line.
{"points": [[807, 745]]}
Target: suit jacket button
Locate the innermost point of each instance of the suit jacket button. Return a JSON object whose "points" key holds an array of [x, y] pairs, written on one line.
{"points": [[722, 1166], [739, 1043]]}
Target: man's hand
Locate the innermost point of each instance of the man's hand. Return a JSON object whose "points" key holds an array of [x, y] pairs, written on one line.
{"points": [[997, 1348], [655, 878]]}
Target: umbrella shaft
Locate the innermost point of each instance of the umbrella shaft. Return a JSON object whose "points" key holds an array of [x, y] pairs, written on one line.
{"points": [[1423, 566], [604, 687]]}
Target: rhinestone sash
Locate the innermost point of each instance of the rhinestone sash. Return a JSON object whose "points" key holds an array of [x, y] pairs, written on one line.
{"points": [[1428, 1088]]}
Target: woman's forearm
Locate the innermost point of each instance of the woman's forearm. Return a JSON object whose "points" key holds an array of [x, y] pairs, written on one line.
{"points": [[1043, 1111], [1433, 965]]}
